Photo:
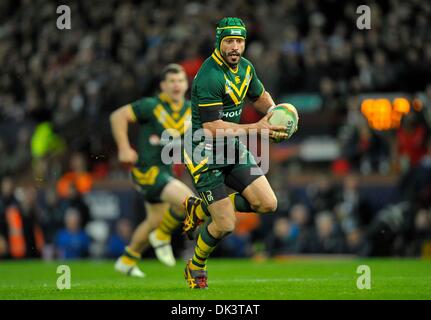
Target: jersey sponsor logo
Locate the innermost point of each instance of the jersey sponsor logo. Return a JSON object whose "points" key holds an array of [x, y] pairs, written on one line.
{"points": [[231, 114]]}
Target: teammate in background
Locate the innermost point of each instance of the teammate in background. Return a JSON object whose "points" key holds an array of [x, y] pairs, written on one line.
{"points": [[164, 195], [218, 94]]}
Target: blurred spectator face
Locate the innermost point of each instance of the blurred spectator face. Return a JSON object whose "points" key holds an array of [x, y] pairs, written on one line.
{"points": [[351, 183], [77, 163], [379, 58], [232, 49], [299, 214], [324, 224], [175, 85], [23, 137], [358, 40], [422, 220], [354, 238], [281, 228], [51, 197], [7, 187], [327, 86], [72, 220], [291, 33], [124, 229], [28, 197], [323, 183]]}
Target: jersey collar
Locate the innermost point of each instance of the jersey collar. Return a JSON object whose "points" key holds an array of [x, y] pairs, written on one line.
{"points": [[176, 107]]}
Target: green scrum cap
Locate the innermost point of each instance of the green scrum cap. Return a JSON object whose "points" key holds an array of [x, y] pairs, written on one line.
{"points": [[229, 27]]}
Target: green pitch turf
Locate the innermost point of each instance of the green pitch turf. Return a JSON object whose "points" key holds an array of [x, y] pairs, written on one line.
{"points": [[228, 279]]}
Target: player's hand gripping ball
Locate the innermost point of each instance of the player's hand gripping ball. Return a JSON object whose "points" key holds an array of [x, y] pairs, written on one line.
{"points": [[285, 114]]}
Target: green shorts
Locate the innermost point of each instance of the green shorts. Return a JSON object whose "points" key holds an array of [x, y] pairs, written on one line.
{"points": [[211, 180], [150, 181]]}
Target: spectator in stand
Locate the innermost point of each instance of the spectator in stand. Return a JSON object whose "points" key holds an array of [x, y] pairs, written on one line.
{"points": [[21, 235], [356, 242], [283, 239], [411, 142], [299, 217], [351, 210], [321, 194], [415, 185], [72, 242], [77, 176], [421, 245], [120, 238], [326, 236]]}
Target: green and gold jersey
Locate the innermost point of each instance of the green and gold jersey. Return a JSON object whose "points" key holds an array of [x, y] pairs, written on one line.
{"points": [[218, 91], [156, 114]]}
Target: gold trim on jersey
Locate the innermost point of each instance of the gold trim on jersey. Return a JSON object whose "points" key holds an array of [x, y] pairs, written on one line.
{"points": [[148, 177], [245, 82], [242, 91], [134, 118], [231, 94], [210, 104], [192, 168], [168, 121], [216, 59]]}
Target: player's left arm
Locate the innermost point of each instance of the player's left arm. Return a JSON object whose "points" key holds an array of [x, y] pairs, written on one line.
{"points": [[264, 102]]}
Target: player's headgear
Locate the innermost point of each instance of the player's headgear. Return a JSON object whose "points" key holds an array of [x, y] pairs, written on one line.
{"points": [[230, 27]]}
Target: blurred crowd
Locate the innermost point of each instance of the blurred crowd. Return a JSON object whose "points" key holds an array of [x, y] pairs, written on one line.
{"points": [[337, 218], [57, 88], [329, 218]]}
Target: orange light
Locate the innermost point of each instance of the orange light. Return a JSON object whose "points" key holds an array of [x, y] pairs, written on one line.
{"points": [[384, 115], [367, 107], [401, 105]]}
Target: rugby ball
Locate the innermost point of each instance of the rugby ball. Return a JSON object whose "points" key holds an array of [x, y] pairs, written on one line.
{"points": [[285, 114]]}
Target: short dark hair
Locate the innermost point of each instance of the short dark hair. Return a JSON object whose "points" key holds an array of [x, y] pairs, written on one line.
{"points": [[171, 68]]}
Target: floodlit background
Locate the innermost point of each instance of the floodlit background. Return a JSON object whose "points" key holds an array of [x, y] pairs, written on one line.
{"points": [[355, 178]]}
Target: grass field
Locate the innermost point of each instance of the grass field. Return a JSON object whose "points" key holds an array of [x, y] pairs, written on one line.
{"points": [[228, 279]]}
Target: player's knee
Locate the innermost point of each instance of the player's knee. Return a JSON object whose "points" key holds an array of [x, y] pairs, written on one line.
{"points": [[267, 205], [226, 224]]}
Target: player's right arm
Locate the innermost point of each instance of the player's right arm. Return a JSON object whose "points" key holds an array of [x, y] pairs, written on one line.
{"points": [[210, 92], [237, 129], [120, 120]]}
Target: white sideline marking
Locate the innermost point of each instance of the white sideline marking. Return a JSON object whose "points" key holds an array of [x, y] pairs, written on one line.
{"points": [[276, 280]]}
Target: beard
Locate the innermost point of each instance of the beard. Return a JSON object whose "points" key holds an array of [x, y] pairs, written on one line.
{"points": [[232, 58]]}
